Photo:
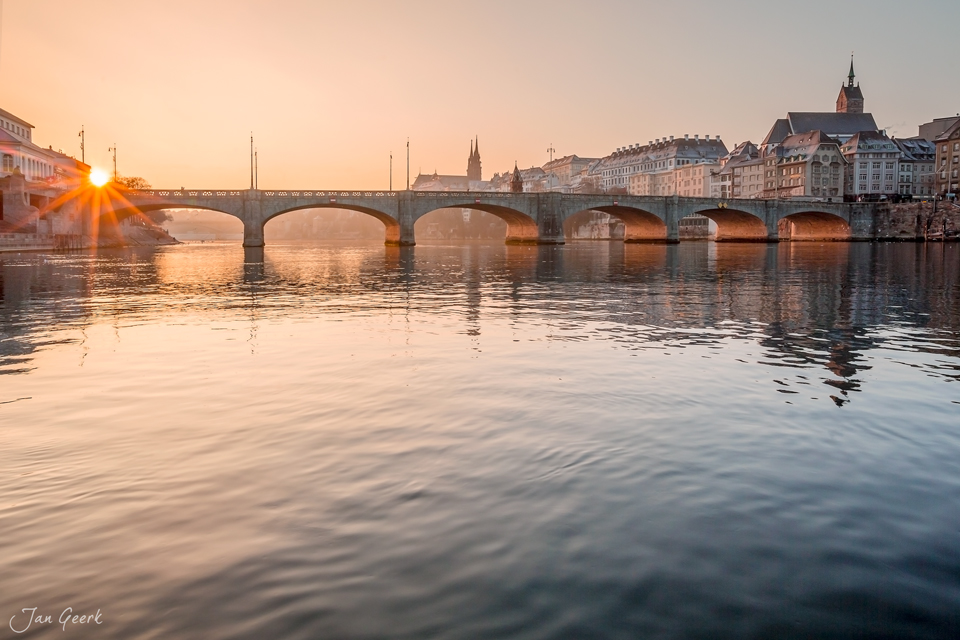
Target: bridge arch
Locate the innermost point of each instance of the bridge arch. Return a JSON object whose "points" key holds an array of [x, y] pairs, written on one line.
{"points": [[451, 223], [522, 227], [109, 216], [392, 230], [736, 225], [639, 226], [813, 226]]}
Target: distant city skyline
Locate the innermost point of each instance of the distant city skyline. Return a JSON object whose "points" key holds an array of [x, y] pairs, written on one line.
{"points": [[330, 91]]}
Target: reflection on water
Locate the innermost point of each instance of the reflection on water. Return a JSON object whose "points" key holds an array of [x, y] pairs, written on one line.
{"points": [[591, 440]]}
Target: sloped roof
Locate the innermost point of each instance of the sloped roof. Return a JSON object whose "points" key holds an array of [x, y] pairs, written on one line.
{"points": [[779, 131], [805, 143], [447, 181], [833, 124], [9, 138], [950, 133], [863, 138], [916, 148]]}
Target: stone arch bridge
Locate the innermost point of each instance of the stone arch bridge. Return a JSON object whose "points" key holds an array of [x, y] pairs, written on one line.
{"points": [[532, 218]]}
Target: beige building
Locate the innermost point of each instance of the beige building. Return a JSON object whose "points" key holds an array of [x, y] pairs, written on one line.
{"points": [[695, 180], [619, 171], [567, 170], [948, 161], [740, 175], [805, 164]]}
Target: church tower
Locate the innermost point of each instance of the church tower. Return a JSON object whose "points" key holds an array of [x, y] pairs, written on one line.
{"points": [[516, 185], [474, 172], [850, 99]]}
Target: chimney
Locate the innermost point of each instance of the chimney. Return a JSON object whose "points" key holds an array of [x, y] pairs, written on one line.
{"points": [[650, 143], [671, 138], [707, 137], [686, 136], [696, 137]]}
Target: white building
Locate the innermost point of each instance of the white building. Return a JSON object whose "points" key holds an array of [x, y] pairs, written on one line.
{"points": [[872, 160], [652, 169], [17, 151], [916, 166]]}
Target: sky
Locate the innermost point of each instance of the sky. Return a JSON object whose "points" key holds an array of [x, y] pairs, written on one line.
{"points": [[329, 89]]}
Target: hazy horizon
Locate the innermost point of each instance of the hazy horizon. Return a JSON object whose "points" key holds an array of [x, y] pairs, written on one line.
{"points": [[329, 90]]}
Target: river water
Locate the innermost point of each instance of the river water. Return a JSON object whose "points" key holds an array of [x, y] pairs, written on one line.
{"points": [[480, 441]]}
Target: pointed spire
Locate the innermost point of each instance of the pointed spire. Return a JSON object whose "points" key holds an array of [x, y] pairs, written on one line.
{"points": [[471, 149], [477, 147], [852, 74]]}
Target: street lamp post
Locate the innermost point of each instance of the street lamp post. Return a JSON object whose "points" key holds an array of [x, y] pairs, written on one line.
{"points": [[113, 149]]}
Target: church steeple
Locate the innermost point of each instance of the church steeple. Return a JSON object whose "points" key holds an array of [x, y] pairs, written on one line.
{"points": [[474, 171], [850, 99]]}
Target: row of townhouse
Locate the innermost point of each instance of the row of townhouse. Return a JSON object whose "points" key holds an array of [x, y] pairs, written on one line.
{"points": [[841, 154]]}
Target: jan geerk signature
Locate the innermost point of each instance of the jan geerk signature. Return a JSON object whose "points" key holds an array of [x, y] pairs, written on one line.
{"points": [[21, 623]]}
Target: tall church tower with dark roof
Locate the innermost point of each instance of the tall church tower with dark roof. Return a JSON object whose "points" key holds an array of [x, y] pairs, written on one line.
{"points": [[474, 172], [850, 99]]}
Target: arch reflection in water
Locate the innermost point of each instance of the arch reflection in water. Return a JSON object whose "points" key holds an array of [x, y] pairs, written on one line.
{"points": [[813, 305], [378, 436]]}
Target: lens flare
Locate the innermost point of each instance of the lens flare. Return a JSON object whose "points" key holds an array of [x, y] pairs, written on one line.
{"points": [[99, 177]]}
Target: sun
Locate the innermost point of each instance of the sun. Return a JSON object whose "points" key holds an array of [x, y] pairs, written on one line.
{"points": [[99, 177]]}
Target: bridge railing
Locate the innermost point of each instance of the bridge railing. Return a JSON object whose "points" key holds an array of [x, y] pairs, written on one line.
{"points": [[187, 193]]}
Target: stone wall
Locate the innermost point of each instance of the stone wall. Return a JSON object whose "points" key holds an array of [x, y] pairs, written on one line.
{"points": [[918, 221]]}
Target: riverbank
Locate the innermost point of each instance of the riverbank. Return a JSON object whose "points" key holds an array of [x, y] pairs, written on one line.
{"points": [[129, 237]]}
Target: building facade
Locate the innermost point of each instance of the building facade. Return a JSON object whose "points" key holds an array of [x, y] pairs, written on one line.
{"points": [[568, 170], [872, 165], [656, 168], [932, 130], [18, 152], [807, 164], [916, 167], [948, 161]]}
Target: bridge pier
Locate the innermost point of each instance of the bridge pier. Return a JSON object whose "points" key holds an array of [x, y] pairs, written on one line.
{"points": [[402, 234], [549, 219], [252, 220]]}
